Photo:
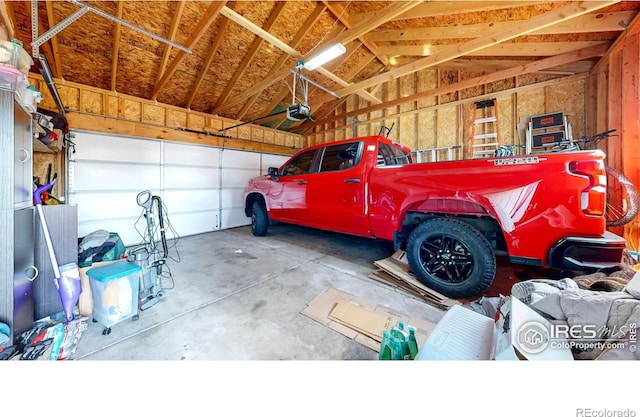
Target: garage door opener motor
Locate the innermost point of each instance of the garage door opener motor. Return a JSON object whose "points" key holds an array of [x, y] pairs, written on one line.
{"points": [[149, 257]]}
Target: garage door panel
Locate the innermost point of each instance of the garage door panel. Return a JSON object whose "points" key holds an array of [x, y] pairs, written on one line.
{"points": [[177, 202], [232, 197], [237, 177], [100, 147], [96, 206], [89, 176], [186, 224], [269, 160], [240, 159], [184, 154], [234, 218], [190, 177]]}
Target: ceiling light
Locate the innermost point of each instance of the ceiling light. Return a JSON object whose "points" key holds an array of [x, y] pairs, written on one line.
{"points": [[325, 56]]}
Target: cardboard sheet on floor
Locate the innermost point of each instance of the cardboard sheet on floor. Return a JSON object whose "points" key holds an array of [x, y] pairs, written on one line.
{"points": [[395, 271], [360, 319]]}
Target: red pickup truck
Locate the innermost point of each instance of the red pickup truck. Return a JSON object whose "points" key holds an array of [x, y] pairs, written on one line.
{"points": [[453, 217]]}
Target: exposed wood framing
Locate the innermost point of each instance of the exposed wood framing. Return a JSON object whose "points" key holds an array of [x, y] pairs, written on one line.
{"points": [[175, 22], [116, 46], [204, 23], [510, 32]]}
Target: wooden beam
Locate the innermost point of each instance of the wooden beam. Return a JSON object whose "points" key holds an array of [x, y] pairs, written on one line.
{"points": [[594, 51], [573, 9], [362, 26], [593, 22], [204, 23], [505, 49], [253, 50], [116, 46], [213, 49], [177, 15], [447, 7]]}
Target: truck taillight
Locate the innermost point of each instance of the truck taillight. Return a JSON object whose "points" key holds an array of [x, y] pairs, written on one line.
{"points": [[592, 198]]}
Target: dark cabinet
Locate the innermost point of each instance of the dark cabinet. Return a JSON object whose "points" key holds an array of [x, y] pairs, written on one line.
{"points": [[17, 270]]}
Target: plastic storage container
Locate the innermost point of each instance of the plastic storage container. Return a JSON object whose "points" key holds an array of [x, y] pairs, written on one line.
{"points": [[114, 288], [13, 54]]}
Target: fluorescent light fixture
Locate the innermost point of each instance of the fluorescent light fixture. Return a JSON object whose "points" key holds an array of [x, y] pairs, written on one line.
{"points": [[325, 56]]}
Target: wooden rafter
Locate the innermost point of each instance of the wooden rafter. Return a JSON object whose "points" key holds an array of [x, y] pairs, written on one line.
{"points": [[493, 38], [213, 49], [340, 13], [594, 22], [447, 7], [302, 33], [504, 49], [253, 50], [204, 23], [177, 15], [535, 66], [116, 46]]}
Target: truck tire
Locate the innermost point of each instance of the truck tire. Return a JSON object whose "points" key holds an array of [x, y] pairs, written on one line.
{"points": [[259, 219], [451, 257]]}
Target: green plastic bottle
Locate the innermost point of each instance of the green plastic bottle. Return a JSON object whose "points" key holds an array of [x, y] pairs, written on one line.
{"points": [[413, 343], [385, 347]]}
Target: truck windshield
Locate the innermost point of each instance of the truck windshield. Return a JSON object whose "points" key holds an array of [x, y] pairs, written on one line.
{"points": [[392, 155]]}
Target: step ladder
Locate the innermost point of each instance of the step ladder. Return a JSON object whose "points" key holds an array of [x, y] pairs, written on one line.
{"points": [[485, 134]]}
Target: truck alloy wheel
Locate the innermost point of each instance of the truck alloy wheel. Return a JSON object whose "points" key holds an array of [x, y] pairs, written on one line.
{"points": [[451, 257]]}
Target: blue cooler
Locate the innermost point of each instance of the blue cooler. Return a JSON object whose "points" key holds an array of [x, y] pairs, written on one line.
{"points": [[115, 292]]}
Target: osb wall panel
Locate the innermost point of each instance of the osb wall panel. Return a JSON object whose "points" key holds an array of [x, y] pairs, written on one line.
{"points": [[426, 136], [172, 118], [507, 123], [154, 115], [569, 98], [132, 110], [448, 124]]}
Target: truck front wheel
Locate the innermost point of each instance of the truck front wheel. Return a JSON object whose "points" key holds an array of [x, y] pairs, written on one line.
{"points": [[259, 219], [451, 257]]}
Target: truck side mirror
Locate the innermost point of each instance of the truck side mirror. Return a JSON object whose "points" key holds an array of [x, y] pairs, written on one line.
{"points": [[273, 172]]}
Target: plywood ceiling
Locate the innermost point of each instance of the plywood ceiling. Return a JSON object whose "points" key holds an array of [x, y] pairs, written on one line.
{"points": [[234, 59]]}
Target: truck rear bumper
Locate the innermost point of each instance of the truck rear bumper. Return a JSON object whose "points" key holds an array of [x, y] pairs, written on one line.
{"points": [[583, 254]]}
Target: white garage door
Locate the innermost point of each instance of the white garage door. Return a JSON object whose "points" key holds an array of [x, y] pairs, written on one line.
{"points": [[201, 187]]}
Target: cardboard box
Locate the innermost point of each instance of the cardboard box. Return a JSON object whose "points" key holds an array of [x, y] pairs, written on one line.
{"points": [[359, 319], [517, 333]]}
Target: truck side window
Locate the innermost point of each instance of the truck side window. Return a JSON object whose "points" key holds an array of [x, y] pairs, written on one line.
{"points": [[391, 155], [340, 157], [299, 165]]}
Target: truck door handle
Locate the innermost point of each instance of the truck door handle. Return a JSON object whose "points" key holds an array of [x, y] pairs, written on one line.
{"points": [[301, 182], [352, 180]]}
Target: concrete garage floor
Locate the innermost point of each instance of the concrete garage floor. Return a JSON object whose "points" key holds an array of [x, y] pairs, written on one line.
{"points": [[240, 297]]}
